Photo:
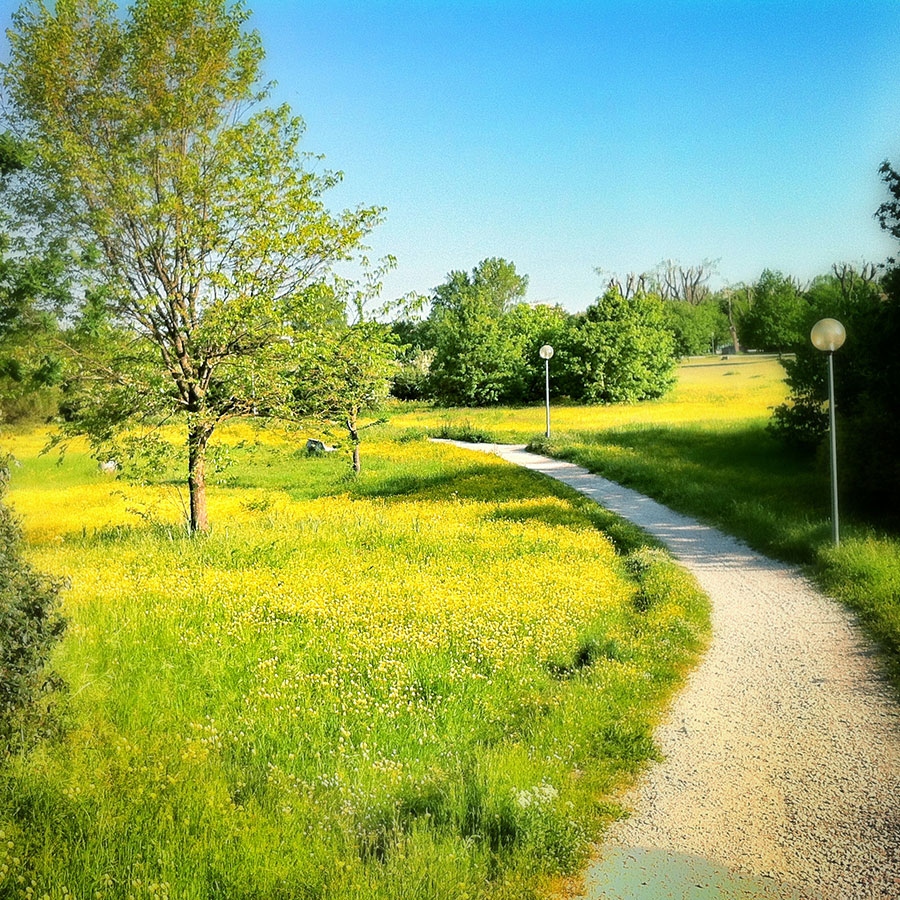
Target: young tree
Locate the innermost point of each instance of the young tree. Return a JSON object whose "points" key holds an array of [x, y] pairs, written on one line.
{"points": [[214, 244], [345, 373]]}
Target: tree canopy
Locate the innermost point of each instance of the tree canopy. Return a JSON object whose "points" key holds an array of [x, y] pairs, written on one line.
{"points": [[155, 156]]}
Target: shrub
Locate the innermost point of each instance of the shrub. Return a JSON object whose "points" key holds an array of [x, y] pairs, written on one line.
{"points": [[29, 627]]}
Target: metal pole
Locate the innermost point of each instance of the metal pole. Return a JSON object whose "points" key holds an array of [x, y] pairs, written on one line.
{"points": [[833, 440], [547, 381]]}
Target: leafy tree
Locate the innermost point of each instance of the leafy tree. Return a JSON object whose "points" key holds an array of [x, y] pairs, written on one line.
{"points": [[215, 247], [867, 382], [494, 280], [774, 319], [346, 373], [414, 358], [621, 350], [32, 287], [475, 356], [696, 327], [529, 328]]}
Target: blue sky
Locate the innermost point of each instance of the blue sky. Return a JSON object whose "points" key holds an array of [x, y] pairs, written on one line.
{"points": [[566, 135]]}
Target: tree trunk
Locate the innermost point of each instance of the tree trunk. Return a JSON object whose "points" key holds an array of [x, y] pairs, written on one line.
{"points": [[198, 437], [732, 327], [354, 437]]}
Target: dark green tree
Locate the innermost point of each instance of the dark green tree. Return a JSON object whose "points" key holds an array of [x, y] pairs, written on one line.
{"points": [[774, 319], [30, 626], [867, 382]]}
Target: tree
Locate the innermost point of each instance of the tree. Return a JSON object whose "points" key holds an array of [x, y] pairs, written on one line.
{"points": [[494, 280], [621, 350], [346, 373], [528, 328], [30, 625], [215, 247], [474, 355], [696, 328], [689, 284], [774, 320], [33, 286], [867, 382]]}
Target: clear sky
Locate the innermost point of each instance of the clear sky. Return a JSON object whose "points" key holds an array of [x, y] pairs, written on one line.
{"points": [[569, 135]]}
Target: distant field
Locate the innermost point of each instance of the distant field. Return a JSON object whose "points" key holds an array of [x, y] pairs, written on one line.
{"points": [[704, 450], [429, 682], [708, 389]]}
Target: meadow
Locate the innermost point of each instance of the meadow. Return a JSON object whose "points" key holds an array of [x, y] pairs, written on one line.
{"points": [[704, 450], [431, 681]]}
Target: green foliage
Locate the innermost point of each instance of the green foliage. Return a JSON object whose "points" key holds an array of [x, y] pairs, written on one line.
{"points": [[867, 382], [774, 319], [414, 359], [214, 244], [345, 373], [620, 351], [30, 626], [476, 355], [485, 352], [529, 328], [696, 327], [14, 154], [34, 290]]}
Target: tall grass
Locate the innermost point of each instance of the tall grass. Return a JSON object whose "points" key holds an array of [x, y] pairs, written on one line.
{"points": [[427, 682]]}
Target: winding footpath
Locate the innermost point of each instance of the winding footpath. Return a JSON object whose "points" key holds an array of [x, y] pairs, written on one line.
{"points": [[781, 769]]}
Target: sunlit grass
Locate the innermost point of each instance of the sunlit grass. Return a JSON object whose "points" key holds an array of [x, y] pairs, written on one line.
{"points": [[704, 450], [426, 682]]}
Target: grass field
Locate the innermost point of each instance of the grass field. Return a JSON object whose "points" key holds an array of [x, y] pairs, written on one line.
{"points": [[429, 682], [704, 450]]}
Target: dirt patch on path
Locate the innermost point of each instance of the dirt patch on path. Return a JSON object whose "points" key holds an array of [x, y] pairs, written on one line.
{"points": [[782, 754]]}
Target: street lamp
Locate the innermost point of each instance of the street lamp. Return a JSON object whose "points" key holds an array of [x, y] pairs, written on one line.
{"points": [[829, 335], [546, 352]]}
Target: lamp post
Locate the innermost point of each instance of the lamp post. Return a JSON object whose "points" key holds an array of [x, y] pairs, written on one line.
{"points": [[829, 335], [546, 352]]}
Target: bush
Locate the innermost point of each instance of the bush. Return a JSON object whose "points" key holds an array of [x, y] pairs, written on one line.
{"points": [[29, 627]]}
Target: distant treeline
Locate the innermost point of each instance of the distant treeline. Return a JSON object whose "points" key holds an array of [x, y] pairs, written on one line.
{"points": [[479, 343]]}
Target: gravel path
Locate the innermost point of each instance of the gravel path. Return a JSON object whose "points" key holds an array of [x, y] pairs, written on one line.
{"points": [[781, 755]]}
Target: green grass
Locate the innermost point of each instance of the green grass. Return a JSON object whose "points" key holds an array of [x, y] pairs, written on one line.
{"points": [[704, 451], [431, 681]]}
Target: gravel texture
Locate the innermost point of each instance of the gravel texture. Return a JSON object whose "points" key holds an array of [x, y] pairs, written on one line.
{"points": [[782, 753]]}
